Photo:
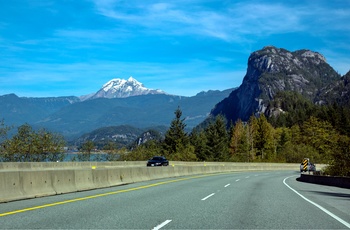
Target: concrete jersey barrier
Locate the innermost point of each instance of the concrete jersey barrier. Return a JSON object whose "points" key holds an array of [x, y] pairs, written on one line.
{"points": [[342, 182], [65, 165], [30, 180]]}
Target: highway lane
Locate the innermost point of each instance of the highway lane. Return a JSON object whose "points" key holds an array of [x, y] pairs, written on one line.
{"points": [[250, 200]]}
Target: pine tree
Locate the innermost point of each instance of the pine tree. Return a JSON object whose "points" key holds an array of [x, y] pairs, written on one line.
{"points": [[176, 138], [199, 141], [217, 140], [282, 139]]}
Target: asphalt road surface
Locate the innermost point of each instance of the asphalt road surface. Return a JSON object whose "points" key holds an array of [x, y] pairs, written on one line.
{"points": [[247, 200]]}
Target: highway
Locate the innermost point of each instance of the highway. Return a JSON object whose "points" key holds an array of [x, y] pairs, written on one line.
{"points": [[240, 200]]}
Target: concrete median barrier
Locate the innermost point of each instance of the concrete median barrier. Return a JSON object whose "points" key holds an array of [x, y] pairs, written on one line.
{"points": [[114, 176], [126, 175], [154, 172], [100, 178], [10, 186], [63, 181], [36, 183], [136, 174], [28, 180], [84, 179]]}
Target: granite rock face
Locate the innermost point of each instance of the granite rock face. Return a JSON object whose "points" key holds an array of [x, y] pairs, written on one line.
{"points": [[271, 70]]}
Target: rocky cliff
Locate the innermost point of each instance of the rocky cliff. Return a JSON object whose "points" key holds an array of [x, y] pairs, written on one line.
{"points": [[271, 70]]}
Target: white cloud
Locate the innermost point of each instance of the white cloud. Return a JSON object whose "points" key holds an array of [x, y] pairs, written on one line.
{"points": [[226, 24], [231, 22], [265, 19]]}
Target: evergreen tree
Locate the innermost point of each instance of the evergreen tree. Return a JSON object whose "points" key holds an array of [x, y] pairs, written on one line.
{"points": [[176, 138], [199, 141], [217, 140], [282, 139], [344, 121]]}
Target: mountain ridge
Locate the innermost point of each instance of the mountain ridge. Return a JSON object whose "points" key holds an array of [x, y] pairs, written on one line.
{"points": [[72, 117]]}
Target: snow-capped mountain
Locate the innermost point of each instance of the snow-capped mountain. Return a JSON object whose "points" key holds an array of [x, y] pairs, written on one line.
{"points": [[121, 88]]}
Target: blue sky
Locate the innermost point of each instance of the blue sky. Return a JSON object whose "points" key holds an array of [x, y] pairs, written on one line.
{"points": [[72, 47]]}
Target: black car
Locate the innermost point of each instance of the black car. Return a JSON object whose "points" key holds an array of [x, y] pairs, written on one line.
{"points": [[158, 161]]}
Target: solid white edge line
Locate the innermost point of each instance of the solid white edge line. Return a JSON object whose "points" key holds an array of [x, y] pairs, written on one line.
{"points": [[227, 185], [208, 196], [317, 205], [162, 225]]}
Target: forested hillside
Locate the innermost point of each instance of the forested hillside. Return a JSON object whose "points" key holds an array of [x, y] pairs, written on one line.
{"points": [[320, 133]]}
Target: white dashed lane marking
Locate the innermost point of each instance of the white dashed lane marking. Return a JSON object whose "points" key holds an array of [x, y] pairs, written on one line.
{"points": [[162, 225], [208, 196]]}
